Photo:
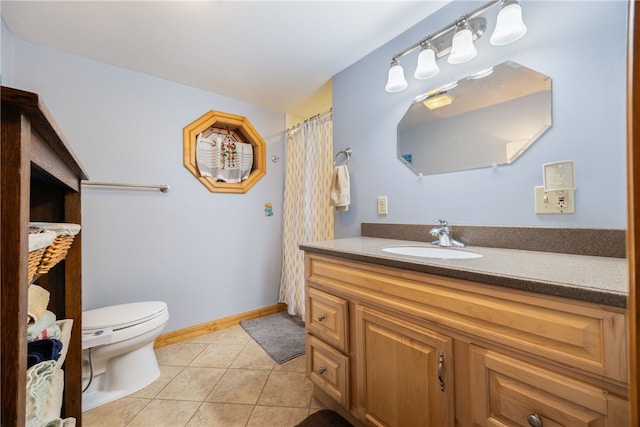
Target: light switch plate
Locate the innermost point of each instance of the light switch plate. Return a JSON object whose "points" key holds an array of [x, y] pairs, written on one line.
{"points": [[554, 202], [382, 205]]}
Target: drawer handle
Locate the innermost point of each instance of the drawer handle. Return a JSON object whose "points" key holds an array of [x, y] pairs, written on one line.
{"points": [[321, 317], [534, 420], [322, 370], [440, 368]]}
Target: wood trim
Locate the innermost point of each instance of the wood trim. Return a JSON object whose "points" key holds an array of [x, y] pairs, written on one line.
{"points": [[73, 309], [215, 325], [633, 208], [14, 248]]}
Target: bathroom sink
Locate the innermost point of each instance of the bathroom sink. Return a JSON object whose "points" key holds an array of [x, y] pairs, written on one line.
{"points": [[431, 252]]}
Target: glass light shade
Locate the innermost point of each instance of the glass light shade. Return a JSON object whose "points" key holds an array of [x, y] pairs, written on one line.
{"points": [[509, 25], [427, 66], [396, 81], [462, 48]]}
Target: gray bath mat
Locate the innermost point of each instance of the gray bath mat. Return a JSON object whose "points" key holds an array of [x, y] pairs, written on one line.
{"points": [[280, 335]]}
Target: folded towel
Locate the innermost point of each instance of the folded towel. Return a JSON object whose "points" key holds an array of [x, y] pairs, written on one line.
{"points": [[38, 300], [54, 401], [45, 386], [45, 327], [58, 422], [39, 379], [340, 188], [65, 326], [52, 332], [43, 351]]}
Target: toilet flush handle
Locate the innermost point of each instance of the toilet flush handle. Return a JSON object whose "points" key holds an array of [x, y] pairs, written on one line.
{"points": [[96, 338]]}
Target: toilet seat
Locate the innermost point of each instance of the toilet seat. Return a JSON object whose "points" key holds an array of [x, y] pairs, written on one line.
{"points": [[121, 316]]}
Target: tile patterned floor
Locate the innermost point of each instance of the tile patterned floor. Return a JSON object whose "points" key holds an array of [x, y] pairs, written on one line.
{"points": [[222, 379]]}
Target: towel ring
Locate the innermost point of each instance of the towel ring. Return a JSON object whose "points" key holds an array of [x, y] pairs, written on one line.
{"points": [[347, 155]]}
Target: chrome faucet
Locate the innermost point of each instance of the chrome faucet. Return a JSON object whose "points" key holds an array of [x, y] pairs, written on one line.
{"points": [[443, 233]]}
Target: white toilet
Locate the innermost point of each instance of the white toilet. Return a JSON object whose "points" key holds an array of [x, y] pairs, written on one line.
{"points": [[118, 356]]}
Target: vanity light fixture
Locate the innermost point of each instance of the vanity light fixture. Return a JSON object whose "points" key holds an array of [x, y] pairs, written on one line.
{"points": [[427, 65], [396, 81], [509, 26], [462, 47], [456, 40]]}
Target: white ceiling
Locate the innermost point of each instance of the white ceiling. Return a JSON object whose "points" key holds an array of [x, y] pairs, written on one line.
{"points": [[275, 54]]}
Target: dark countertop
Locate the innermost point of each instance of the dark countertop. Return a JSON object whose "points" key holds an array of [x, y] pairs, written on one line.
{"points": [[601, 280]]}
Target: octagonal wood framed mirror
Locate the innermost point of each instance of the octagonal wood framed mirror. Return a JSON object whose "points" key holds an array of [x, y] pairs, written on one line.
{"points": [[224, 152]]}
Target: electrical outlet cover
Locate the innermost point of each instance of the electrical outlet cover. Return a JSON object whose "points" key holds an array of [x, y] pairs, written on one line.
{"points": [[554, 202]]}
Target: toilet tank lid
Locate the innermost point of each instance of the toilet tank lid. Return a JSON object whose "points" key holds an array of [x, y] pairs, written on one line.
{"points": [[121, 316]]}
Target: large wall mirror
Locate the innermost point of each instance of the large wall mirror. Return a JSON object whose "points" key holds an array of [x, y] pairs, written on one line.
{"points": [[487, 119]]}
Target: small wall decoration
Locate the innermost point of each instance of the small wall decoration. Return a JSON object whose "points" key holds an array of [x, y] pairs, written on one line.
{"points": [[268, 209]]}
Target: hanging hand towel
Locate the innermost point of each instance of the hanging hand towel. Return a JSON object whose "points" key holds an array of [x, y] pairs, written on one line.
{"points": [[340, 188], [207, 155]]}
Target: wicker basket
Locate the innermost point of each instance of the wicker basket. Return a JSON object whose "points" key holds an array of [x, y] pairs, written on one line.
{"points": [[39, 240], [34, 260], [62, 236], [54, 253]]}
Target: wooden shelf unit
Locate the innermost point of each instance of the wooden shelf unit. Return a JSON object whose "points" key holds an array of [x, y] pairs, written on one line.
{"points": [[40, 178]]}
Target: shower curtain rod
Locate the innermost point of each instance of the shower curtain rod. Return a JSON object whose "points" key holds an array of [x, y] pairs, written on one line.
{"points": [[317, 116], [162, 187]]}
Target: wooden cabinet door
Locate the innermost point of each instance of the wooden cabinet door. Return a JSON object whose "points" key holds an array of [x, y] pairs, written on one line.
{"points": [[404, 372]]}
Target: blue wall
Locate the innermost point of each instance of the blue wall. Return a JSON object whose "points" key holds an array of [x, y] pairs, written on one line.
{"points": [[208, 255], [581, 45]]}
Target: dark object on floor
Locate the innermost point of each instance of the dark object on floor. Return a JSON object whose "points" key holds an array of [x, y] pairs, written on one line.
{"points": [[324, 418], [280, 335]]}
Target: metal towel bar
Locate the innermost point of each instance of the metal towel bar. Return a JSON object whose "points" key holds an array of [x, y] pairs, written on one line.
{"points": [[162, 187], [347, 154]]}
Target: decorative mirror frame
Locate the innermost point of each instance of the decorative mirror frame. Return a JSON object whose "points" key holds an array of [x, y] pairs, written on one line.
{"points": [[241, 127]]}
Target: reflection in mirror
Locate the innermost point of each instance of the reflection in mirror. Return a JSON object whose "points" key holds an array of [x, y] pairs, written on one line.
{"points": [[487, 119]]}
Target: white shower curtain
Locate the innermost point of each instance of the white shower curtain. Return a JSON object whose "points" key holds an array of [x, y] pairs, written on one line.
{"points": [[307, 214]]}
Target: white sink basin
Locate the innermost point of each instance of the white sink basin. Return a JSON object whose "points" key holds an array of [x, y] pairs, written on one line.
{"points": [[431, 252]]}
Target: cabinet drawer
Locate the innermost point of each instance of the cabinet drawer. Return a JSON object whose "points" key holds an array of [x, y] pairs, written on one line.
{"points": [[326, 318], [510, 392], [328, 369]]}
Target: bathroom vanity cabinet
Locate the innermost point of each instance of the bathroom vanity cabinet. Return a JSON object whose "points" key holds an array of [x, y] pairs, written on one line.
{"points": [[40, 178], [394, 347]]}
